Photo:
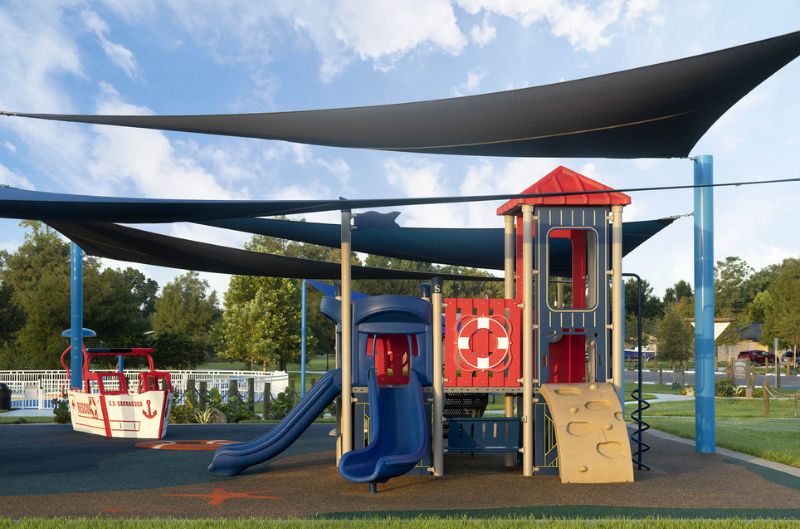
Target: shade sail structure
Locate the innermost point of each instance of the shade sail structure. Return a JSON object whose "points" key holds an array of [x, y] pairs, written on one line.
{"points": [[658, 111], [474, 247], [138, 246], [37, 205]]}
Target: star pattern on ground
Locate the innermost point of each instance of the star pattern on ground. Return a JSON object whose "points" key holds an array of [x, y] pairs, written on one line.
{"points": [[220, 496]]}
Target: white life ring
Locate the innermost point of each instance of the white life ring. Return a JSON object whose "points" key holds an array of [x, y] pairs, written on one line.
{"points": [[496, 359]]}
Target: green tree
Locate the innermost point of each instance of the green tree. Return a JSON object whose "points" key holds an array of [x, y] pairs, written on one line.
{"points": [[35, 280], [185, 307], [261, 323], [675, 336], [732, 287], [783, 313], [682, 290], [177, 351], [38, 274]]}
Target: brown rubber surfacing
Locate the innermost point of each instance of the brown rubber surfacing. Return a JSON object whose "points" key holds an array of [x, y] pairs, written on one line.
{"points": [[308, 484]]}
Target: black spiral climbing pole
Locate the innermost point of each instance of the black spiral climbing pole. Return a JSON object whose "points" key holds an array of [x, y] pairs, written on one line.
{"points": [[641, 405]]}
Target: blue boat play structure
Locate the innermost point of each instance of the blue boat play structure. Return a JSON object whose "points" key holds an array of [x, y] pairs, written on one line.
{"points": [[392, 362], [233, 459]]}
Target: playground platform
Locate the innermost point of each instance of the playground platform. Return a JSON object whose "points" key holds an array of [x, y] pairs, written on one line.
{"points": [[49, 470]]}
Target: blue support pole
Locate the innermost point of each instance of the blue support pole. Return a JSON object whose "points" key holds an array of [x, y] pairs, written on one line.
{"points": [[76, 316], [705, 422], [303, 344]]}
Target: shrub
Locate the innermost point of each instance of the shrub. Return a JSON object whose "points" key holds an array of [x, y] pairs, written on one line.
{"points": [[282, 405], [61, 411], [724, 388]]}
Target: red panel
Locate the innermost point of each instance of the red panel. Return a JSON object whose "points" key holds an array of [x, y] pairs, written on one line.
{"points": [[392, 352], [489, 355]]}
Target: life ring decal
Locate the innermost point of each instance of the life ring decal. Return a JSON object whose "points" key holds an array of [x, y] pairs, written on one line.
{"points": [[496, 357]]}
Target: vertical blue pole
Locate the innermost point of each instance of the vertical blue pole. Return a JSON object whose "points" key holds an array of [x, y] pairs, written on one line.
{"points": [[303, 345], [704, 305], [76, 316]]}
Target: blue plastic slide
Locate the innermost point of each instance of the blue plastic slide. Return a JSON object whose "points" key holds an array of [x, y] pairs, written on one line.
{"points": [[399, 434], [232, 459]]}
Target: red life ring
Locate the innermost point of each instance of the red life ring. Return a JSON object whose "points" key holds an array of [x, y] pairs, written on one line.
{"points": [[492, 359]]}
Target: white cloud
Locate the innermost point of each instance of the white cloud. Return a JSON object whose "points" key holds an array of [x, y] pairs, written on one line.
{"points": [[36, 50], [483, 34], [10, 178], [471, 86], [586, 27], [144, 159], [118, 54], [10, 147], [380, 32]]}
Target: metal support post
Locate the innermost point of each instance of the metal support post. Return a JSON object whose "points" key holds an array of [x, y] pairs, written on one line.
{"points": [[508, 262], [704, 305], [303, 342], [76, 317], [346, 427], [617, 316], [438, 379], [527, 340]]}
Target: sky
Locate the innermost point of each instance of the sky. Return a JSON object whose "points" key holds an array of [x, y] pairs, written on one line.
{"points": [[203, 57]]}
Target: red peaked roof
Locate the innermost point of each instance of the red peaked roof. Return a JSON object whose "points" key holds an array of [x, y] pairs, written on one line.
{"points": [[561, 180]]}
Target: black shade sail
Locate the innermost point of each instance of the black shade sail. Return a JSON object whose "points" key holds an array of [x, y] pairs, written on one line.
{"points": [[657, 111], [37, 205], [473, 247], [138, 246]]}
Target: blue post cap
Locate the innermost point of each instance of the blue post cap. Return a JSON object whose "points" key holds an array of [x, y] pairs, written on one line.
{"points": [[87, 333]]}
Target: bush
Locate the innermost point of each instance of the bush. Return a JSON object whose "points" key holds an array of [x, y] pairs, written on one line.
{"points": [[282, 405], [725, 388], [61, 410], [182, 413]]}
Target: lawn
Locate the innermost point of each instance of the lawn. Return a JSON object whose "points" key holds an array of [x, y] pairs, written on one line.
{"points": [[741, 426], [25, 420], [393, 523]]}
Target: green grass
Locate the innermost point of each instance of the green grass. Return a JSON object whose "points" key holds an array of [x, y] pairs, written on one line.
{"points": [[741, 426], [776, 440], [394, 523], [25, 420], [727, 408]]}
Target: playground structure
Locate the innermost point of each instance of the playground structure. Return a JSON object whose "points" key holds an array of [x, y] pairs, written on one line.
{"points": [[104, 404], [552, 346], [555, 413]]}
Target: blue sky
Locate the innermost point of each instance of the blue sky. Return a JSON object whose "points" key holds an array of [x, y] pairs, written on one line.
{"points": [[196, 57]]}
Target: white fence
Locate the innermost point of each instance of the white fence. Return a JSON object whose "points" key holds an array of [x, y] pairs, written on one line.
{"points": [[37, 389]]}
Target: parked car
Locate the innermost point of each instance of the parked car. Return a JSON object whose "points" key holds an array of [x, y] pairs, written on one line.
{"points": [[788, 357], [757, 357], [633, 354]]}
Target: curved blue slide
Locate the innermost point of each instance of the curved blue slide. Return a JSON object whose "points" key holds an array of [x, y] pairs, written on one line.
{"points": [[399, 434], [232, 459]]}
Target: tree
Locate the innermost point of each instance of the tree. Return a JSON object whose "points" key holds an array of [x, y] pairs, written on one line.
{"points": [[185, 307], [38, 274], [652, 309], [261, 323], [732, 292], [783, 313], [675, 336], [177, 350], [35, 281], [682, 290]]}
